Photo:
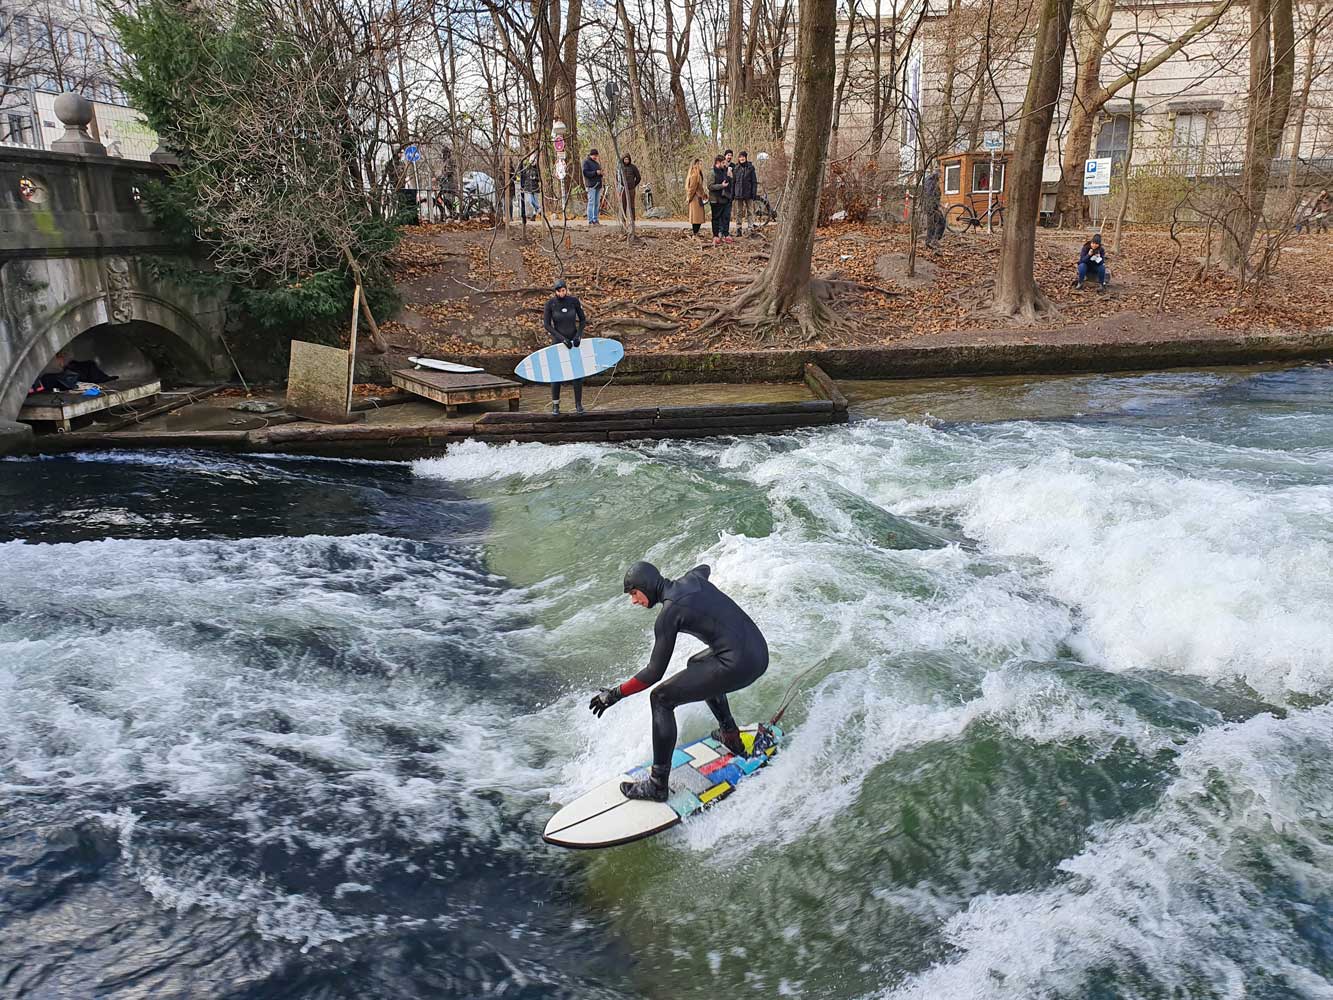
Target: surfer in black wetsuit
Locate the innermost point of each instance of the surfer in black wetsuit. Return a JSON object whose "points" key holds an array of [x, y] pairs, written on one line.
{"points": [[736, 657], [564, 320]]}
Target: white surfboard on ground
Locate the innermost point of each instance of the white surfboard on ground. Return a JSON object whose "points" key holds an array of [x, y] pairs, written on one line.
{"points": [[702, 772], [444, 366]]}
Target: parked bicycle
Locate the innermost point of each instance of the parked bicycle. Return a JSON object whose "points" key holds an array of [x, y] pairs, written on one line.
{"points": [[764, 211], [962, 218]]}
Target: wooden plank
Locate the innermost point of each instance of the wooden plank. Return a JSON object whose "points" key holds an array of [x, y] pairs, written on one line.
{"points": [[641, 413], [55, 407], [410, 378], [823, 386], [683, 434], [567, 437], [747, 409], [763, 420], [363, 432], [562, 427]]}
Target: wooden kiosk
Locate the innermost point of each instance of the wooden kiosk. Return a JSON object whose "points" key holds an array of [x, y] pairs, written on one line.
{"points": [[966, 182]]}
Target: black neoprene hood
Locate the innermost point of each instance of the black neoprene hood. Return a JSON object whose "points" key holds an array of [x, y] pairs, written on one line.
{"points": [[646, 577]]}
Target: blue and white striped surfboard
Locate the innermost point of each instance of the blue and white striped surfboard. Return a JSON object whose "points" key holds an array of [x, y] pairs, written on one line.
{"points": [[558, 363]]}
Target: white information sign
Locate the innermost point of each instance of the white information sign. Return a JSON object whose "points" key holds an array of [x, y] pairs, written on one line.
{"points": [[1097, 176], [993, 141]]}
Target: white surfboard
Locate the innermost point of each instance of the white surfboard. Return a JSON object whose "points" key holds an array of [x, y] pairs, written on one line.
{"points": [[559, 363], [702, 772], [444, 366]]}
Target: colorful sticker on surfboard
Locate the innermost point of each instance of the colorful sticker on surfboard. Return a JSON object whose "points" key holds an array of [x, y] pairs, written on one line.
{"points": [[702, 773], [559, 363]]}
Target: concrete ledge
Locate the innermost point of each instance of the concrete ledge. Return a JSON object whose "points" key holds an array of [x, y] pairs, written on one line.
{"points": [[14, 438], [997, 357]]}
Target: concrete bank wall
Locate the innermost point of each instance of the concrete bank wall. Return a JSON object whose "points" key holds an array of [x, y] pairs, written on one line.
{"points": [[996, 358]]}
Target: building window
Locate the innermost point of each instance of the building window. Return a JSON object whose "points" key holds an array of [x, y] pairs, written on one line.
{"points": [[20, 129], [81, 44], [61, 38], [1113, 139], [1189, 132], [953, 174], [981, 177]]}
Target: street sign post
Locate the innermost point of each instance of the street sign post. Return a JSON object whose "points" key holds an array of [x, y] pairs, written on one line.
{"points": [[993, 142], [1097, 176]]}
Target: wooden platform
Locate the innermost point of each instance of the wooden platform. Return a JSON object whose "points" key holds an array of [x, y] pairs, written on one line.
{"points": [[61, 408], [453, 389]]}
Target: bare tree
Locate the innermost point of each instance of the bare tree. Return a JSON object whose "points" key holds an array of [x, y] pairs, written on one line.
{"points": [[1091, 95], [1272, 72], [1016, 291], [785, 292]]}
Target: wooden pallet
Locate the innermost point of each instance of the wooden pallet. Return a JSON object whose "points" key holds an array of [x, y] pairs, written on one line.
{"points": [[62, 408], [452, 389]]}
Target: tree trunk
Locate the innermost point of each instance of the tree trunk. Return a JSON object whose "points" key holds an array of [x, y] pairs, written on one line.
{"points": [[735, 49], [877, 97], [1016, 291], [948, 121], [677, 51], [632, 69], [1298, 129], [1090, 97], [783, 292], [1272, 72], [1071, 208], [566, 108], [842, 79], [1124, 170]]}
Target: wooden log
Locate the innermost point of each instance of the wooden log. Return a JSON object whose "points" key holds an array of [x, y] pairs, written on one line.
{"points": [[440, 429], [746, 409], [685, 434], [562, 427], [823, 386], [569, 437], [498, 417], [758, 420]]}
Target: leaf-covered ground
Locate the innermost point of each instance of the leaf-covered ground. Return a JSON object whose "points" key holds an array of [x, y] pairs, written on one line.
{"points": [[468, 289]]}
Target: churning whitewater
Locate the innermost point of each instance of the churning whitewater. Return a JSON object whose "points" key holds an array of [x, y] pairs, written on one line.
{"points": [[291, 728]]}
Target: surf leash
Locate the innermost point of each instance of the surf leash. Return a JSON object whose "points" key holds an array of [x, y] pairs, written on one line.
{"points": [[765, 737]]}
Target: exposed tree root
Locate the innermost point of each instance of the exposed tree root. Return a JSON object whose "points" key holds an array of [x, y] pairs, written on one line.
{"points": [[771, 317], [1029, 305]]}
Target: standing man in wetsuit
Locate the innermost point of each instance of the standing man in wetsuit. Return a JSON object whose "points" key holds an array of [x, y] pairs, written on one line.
{"points": [[563, 319], [736, 657]]}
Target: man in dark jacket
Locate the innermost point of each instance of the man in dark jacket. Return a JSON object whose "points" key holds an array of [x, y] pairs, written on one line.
{"points": [[746, 183], [563, 319], [736, 657], [629, 187], [592, 181], [932, 218], [719, 198], [530, 182]]}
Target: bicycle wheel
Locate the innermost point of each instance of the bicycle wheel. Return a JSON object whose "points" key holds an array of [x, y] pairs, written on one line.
{"points": [[960, 219], [479, 208], [997, 220], [764, 212]]}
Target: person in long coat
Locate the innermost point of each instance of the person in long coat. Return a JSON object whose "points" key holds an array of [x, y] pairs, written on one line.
{"points": [[696, 194]]}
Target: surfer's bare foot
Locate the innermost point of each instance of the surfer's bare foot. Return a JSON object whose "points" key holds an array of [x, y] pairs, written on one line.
{"points": [[731, 739]]}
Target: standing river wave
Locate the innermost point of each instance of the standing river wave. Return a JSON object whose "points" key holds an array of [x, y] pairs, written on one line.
{"points": [[280, 727]]}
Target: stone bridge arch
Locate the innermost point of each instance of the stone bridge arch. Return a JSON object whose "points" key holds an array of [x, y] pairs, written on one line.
{"points": [[76, 255]]}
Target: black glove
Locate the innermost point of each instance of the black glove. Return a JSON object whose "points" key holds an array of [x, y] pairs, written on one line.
{"points": [[569, 344], [604, 699], [578, 339]]}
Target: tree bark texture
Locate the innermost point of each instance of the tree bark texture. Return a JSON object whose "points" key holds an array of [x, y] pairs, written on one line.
{"points": [[1272, 73], [783, 292], [1016, 291]]}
